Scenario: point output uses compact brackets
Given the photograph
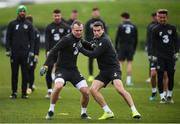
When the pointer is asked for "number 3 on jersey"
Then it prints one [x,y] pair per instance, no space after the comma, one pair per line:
[56,37]
[128,30]
[165,38]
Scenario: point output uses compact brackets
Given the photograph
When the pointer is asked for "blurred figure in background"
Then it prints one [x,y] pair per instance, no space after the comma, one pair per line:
[20,49]
[73,17]
[54,32]
[148,35]
[89,37]
[36,53]
[126,43]
[165,52]
[153,74]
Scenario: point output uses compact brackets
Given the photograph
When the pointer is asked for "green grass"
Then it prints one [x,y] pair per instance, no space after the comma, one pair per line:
[140,11]
[34,109]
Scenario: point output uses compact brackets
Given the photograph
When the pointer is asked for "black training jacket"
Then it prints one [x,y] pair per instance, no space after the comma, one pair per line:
[20,36]
[164,41]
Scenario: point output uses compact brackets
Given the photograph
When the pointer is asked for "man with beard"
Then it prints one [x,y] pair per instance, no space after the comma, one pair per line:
[20,48]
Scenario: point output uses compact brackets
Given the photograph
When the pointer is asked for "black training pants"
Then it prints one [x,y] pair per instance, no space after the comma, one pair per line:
[19,60]
[169,66]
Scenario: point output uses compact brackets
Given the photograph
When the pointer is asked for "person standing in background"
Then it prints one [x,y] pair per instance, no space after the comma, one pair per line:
[89,37]
[165,52]
[126,43]
[73,17]
[153,74]
[54,32]
[20,48]
[32,66]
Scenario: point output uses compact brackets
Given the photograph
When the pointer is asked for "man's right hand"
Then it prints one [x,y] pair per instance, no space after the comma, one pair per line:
[43,70]
[8,53]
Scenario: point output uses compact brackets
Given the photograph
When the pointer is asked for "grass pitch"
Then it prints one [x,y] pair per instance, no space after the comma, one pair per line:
[67,109]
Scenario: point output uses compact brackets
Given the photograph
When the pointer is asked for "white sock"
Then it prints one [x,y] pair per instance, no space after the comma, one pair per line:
[51,107]
[165,93]
[83,110]
[169,93]
[133,108]
[128,80]
[154,90]
[162,95]
[106,108]
[49,90]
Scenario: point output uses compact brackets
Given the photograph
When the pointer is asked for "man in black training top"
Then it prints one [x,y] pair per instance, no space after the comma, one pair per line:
[165,51]
[54,32]
[125,44]
[67,70]
[152,73]
[109,71]
[20,48]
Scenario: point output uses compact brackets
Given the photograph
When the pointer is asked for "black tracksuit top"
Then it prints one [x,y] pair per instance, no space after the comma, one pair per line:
[20,36]
[105,53]
[164,41]
[54,32]
[126,36]
[68,52]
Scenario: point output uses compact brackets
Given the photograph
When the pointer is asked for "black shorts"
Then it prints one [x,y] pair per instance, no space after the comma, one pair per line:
[165,65]
[125,53]
[107,76]
[72,75]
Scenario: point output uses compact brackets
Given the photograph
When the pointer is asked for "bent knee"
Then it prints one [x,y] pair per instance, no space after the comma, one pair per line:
[93,90]
[85,91]
[59,86]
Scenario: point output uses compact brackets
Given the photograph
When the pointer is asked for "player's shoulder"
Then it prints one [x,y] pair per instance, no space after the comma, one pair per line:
[156,27]
[28,23]
[105,38]
[121,25]
[12,22]
[65,24]
[151,25]
[89,21]
[36,30]
[68,37]
[171,26]
[48,26]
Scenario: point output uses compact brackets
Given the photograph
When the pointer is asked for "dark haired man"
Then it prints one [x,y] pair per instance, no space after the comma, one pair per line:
[54,32]
[125,44]
[165,51]
[66,69]
[109,71]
